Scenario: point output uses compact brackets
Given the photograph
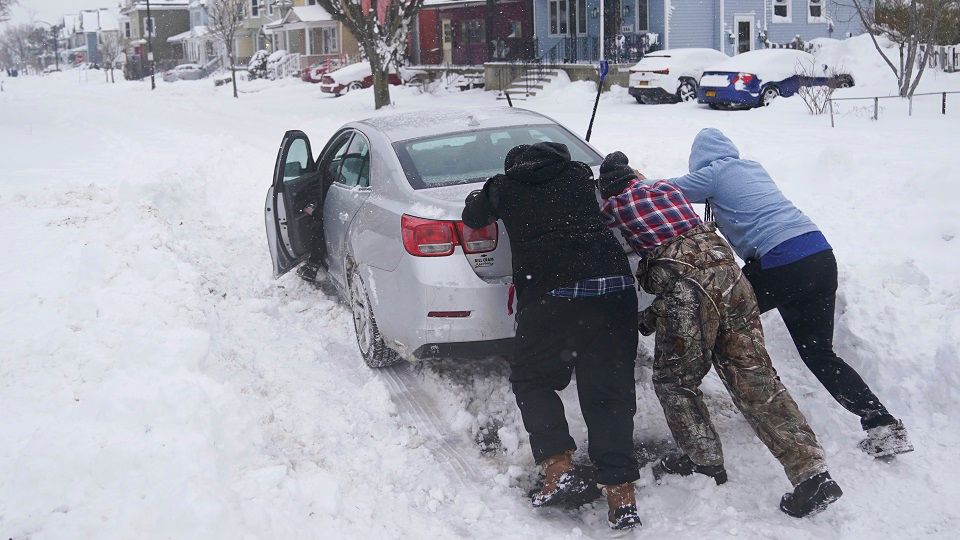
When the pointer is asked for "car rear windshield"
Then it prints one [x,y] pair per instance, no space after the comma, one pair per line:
[473,156]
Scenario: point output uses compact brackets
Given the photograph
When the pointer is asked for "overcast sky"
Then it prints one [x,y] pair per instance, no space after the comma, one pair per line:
[52,10]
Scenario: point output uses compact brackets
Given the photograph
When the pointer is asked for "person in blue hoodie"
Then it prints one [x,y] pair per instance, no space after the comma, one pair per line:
[792,268]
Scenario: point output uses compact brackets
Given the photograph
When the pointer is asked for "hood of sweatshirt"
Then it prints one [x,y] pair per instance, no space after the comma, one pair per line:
[710,145]
[537,163]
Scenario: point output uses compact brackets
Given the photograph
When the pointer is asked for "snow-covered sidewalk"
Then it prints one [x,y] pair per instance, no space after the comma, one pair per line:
[156,382]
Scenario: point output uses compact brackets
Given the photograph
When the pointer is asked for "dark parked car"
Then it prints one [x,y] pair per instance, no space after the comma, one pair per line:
[756,78]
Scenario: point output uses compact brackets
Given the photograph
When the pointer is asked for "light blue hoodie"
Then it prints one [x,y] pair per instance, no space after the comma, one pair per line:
[747,205]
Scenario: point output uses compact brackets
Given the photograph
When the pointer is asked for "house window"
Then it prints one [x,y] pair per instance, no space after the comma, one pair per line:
[150,26]
[516,30]
[782,11]
[254,8]
[472,31]
[312,2]
[643,22]
[582,17]
[329,40]
[126,29]
[558,17]
[816,12]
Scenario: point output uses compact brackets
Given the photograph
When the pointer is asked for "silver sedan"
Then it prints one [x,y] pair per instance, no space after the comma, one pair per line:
[386,196]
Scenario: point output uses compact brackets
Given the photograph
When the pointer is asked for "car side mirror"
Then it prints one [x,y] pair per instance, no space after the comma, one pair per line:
[292,169]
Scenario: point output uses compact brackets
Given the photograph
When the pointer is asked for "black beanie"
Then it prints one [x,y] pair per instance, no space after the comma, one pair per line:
[615,175]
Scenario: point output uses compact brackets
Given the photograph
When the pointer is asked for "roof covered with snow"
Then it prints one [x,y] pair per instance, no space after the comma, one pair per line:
[413,125]
[312,14]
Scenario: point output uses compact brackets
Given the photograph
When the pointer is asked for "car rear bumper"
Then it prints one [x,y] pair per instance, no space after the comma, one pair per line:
[467,350]
[726,96]
[651,93]
[420,305]
[332,88]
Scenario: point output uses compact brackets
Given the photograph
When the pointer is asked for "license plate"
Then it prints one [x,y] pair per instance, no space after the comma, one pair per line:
[711,93]
[643,83]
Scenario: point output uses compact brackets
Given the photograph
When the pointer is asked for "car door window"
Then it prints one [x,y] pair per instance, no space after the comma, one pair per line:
[330,164]
[297,160]
[355,171]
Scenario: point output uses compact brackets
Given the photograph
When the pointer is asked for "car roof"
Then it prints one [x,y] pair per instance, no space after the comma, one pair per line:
[419,124]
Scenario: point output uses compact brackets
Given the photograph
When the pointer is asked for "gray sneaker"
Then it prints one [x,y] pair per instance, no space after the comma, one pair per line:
[886,441]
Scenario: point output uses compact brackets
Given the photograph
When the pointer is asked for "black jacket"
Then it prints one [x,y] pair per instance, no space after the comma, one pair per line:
[548,204]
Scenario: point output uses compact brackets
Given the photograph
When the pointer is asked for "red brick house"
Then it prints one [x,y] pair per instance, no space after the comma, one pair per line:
[453,32]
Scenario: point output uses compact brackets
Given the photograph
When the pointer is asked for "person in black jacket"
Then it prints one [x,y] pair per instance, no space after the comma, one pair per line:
[577,310]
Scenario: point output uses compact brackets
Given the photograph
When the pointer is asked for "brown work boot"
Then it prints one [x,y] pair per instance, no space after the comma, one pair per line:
[622,501]
[560,484]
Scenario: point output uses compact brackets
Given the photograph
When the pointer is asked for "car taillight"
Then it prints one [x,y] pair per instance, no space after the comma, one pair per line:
[478,240]
[327,80]
[662,71]
[434,238]
[427,237]
[745,78]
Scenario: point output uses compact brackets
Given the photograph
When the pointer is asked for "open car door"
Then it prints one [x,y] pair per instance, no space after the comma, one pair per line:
[292,233]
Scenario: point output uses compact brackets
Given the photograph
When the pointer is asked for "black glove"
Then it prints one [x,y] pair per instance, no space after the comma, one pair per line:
[615,175]
[648,321]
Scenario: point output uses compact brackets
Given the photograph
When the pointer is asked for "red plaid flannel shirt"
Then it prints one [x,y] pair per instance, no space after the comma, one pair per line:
[650,215]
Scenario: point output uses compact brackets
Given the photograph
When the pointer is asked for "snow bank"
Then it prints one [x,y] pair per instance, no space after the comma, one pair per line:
[157,382]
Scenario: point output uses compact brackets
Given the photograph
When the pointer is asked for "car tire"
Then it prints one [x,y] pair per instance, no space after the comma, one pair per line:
[355,85]
[768,94]
[687,91]
[373,349]
[714,106]
[639,100]
[845,82]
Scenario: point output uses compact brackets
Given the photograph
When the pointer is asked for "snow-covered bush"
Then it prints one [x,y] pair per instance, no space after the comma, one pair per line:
[257,67]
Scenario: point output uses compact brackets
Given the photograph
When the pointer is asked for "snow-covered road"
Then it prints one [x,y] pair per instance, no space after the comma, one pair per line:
[156,382]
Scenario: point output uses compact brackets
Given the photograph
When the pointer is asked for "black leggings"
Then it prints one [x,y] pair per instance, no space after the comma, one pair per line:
[597,338]
[805,293]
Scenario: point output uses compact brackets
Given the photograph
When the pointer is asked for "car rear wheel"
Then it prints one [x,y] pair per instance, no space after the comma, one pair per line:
[769,94]
[375,352]
[355,85]
[687,91]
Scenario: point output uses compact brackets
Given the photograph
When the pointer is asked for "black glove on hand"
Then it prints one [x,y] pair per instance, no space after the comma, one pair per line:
[615,174]
[648,321]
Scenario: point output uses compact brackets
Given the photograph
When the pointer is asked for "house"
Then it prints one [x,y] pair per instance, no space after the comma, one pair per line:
[306,29]
[72,42]
[95,24]
[199,46]
[167,18]
[453,32]
[252,35]
[569,30]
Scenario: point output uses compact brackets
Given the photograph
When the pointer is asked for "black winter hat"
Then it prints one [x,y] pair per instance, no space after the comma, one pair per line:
[615,175]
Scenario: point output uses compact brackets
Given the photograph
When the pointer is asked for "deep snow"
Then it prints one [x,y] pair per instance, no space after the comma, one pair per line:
[156,382]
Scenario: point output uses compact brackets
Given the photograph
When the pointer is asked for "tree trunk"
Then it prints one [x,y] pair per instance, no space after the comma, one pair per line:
[381,84]
[488,30]
[233,77]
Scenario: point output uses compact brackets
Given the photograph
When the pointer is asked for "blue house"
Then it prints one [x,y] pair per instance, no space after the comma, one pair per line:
[569,30]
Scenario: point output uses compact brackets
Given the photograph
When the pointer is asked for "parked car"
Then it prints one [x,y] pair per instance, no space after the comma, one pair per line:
[314,73]
[419,282]
[353,77]
[184,72]
[671,76]
[756,78]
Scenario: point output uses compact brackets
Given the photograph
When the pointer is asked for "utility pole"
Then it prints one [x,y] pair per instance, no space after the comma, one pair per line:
[153,81]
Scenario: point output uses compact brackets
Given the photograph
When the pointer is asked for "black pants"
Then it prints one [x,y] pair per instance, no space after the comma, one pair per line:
[597,337]
[805,293]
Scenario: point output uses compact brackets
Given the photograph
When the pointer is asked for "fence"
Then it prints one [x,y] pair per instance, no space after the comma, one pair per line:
[876,103]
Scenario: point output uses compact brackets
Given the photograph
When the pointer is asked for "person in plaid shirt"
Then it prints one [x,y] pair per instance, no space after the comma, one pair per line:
[706,313]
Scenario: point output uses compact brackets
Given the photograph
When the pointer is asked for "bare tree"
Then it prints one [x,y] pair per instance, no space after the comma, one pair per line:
[380,27]
[111,45]
[817,97]
[5,6]
[914,26]
[226,16]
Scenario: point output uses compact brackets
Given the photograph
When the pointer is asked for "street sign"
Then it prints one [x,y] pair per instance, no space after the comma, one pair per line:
[150,57]
[604,69]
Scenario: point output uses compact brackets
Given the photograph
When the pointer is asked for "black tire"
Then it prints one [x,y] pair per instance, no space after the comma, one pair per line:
[845,82]
[639,99]
[687,91]
[373,349]
[768,94]
[714,106]
[355,85]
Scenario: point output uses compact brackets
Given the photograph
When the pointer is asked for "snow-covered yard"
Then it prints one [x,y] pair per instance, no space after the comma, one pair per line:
[156,382]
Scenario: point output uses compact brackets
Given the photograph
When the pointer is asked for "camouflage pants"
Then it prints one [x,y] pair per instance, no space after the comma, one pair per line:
[706,314]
